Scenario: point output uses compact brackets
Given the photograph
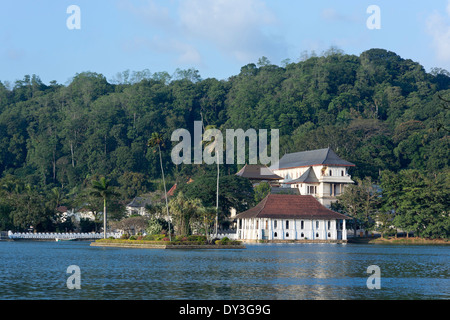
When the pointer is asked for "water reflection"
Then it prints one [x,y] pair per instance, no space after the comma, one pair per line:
[31,270]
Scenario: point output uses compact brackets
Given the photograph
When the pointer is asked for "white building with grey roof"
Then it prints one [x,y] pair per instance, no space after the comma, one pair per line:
[320,173]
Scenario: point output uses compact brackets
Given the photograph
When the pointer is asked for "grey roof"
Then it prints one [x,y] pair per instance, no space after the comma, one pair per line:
[311,158]
[308,177]
[257,172]
[139,202]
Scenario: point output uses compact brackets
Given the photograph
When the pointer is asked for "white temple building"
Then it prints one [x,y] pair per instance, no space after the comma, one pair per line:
[287,217]
[320,173]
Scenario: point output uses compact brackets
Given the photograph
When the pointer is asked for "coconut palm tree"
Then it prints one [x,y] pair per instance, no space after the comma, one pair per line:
[211,144]
[102,189]
[157,141]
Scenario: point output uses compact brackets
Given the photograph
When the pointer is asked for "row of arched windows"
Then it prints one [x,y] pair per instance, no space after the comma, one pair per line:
[302,235]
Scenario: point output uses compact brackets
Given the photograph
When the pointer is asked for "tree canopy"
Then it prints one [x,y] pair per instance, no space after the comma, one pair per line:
[377,110]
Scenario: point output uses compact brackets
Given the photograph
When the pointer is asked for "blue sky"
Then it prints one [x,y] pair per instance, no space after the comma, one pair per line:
[217,37]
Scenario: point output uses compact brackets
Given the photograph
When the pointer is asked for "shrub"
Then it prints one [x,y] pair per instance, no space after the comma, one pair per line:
[181,238]
[155,226]
[225,241]
[125,236]
[154,237]
[197,238]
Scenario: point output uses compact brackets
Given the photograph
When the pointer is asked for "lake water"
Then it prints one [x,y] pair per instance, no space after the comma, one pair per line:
[38,270]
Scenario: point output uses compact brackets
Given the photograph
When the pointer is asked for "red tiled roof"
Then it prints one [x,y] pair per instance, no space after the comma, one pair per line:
[62,209]
[288,206]
[172,190]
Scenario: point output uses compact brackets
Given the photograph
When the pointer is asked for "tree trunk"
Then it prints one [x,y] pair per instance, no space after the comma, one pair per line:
[217,195]
[54,164]
[165,190]
[104,218]
[71,152]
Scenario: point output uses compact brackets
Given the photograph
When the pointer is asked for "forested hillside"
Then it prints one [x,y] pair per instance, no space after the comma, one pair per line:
[377,110]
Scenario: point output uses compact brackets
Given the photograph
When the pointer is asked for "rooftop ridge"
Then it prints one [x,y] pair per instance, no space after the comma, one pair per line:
[285,206]
[325,156]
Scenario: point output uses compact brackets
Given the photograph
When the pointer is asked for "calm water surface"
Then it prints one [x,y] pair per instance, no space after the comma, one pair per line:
[37,270]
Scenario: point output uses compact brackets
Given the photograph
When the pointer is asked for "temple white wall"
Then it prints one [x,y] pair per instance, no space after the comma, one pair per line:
[290,229]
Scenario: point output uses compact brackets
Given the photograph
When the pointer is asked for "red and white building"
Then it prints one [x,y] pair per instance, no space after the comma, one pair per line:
[287,217]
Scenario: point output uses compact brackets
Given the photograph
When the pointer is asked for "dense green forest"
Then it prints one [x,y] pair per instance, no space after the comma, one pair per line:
[377,110]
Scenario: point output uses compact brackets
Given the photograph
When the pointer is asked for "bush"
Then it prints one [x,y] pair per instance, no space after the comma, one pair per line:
[155,226]
[226,241]
[125,236]
[197,238]
[181,238]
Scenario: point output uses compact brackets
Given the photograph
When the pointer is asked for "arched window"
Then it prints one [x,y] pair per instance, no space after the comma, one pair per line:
[287,234]
[317,234]
[287,224]
[302,235]
[275,234]
[302,224]
[274,224]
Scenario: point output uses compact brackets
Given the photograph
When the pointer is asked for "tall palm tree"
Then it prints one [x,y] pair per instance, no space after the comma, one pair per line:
[157,140]
[102,189]
[218,178]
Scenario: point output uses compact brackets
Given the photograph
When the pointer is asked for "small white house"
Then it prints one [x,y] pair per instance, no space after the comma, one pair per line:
[138,206]
[287,217]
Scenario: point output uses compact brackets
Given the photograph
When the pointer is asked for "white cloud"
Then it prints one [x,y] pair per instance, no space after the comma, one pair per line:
[438,27]
[240,29]
[150,13]
[332,15]
[236,27]
[167,29]
[184,53]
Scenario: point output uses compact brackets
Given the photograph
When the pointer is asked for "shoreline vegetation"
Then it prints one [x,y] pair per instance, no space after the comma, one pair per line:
[162,242]
[399,240]
[200,242]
